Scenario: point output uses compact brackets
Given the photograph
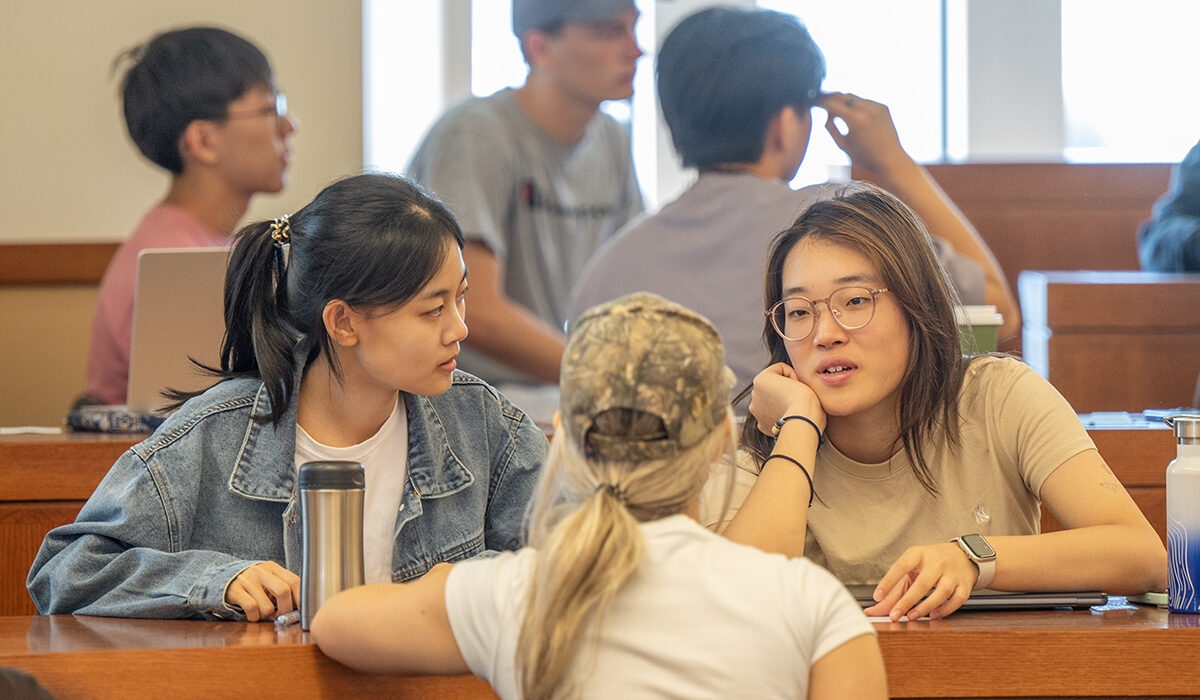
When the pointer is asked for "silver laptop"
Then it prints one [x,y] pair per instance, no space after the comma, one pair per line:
[178,311]
[987,599]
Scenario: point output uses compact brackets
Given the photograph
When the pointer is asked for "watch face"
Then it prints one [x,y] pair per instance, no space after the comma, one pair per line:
[978,546]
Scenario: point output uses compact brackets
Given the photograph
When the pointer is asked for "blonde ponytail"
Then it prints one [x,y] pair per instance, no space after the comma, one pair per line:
[585,527]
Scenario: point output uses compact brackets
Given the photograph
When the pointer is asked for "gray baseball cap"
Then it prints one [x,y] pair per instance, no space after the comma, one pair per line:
[648,354]
[533,14]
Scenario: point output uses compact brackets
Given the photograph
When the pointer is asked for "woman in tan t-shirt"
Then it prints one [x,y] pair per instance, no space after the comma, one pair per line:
[866,361]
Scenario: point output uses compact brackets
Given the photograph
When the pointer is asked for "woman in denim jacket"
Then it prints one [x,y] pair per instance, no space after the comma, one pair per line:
[342,331]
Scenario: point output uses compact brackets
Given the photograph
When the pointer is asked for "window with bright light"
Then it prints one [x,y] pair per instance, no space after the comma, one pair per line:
[882,50]
[400,100]
[1126,71]
[1122,63]
[496,60]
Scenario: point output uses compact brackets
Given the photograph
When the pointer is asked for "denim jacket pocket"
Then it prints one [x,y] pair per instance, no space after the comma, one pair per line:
[432,528]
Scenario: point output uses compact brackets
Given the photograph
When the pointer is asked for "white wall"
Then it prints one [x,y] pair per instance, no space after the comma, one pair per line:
[1014,78]
[68,171]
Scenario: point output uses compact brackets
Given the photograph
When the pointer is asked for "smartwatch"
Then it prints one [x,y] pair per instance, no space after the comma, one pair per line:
[981,553]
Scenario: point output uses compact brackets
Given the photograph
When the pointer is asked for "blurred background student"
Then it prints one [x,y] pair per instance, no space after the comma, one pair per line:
[200,103]
[539,177]
[737,88]
[1170,241]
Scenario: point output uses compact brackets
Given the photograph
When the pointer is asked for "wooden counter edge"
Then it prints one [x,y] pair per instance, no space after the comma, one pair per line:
[979,663]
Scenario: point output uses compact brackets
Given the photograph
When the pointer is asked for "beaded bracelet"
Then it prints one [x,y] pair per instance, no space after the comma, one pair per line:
[779,426]
[811,491]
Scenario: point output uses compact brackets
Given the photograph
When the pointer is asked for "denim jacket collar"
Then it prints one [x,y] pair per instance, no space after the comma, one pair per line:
[265,467]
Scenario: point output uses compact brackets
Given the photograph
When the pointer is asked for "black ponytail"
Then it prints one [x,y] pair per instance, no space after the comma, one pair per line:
[372,241]
[259,336]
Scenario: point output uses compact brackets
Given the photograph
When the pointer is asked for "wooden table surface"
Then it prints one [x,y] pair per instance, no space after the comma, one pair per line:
[1118,650]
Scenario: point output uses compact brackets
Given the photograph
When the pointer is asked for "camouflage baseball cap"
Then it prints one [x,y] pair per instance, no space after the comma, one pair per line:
[645,353]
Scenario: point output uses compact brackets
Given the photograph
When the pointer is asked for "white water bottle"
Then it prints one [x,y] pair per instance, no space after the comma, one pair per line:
[1183,516]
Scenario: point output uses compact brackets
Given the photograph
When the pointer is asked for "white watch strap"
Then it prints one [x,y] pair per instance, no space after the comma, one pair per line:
[987,571]
[986,567]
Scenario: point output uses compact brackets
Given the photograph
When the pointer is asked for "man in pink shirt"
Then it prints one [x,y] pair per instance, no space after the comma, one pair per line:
[201,103]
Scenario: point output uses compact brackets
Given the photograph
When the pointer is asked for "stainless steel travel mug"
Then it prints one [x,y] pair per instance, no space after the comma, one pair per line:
[331,513]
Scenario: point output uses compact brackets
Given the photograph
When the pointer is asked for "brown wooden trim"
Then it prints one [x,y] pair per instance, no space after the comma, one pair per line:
[54,263]
[1047,186]
[64,468]
[1100,185]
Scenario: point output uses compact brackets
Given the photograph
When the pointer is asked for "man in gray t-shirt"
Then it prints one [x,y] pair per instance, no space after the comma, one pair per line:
[736,87]
[538,177]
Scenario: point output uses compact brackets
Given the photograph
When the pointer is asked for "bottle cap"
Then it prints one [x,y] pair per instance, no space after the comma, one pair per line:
[1186,426]
[332,475]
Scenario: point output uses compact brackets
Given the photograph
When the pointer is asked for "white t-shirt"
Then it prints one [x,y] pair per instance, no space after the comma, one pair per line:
[702,617]
[384,457]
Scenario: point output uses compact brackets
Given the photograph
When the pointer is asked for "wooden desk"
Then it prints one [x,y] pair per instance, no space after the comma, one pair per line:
[1056,216]
[101,657]
[44,481]
[1118,651]
[1112,341]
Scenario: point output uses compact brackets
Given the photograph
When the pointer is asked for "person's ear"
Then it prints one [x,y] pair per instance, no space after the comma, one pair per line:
[339,321]
[788,129]
[536,45]
[773,142]
[198,142]
[787,140]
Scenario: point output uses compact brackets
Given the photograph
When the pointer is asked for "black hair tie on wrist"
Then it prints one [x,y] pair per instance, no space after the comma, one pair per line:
[779,426]
[811,491]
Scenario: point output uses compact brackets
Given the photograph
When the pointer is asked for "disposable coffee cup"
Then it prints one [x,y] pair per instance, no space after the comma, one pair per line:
[978,328]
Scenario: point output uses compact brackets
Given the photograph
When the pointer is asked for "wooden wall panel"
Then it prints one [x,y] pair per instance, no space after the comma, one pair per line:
[54,263]
[1056,216]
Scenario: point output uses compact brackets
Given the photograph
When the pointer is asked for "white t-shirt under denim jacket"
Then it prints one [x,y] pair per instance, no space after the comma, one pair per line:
[702,617]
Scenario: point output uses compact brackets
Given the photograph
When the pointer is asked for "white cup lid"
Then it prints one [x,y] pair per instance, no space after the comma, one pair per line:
[978,315]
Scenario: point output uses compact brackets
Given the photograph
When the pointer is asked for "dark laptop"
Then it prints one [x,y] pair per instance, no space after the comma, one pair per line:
[987,599]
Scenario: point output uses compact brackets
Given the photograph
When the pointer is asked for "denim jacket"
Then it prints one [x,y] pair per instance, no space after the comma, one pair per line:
[214,491]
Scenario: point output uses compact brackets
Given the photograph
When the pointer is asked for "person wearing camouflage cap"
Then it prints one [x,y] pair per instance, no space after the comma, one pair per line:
[607,600]
[642,353]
